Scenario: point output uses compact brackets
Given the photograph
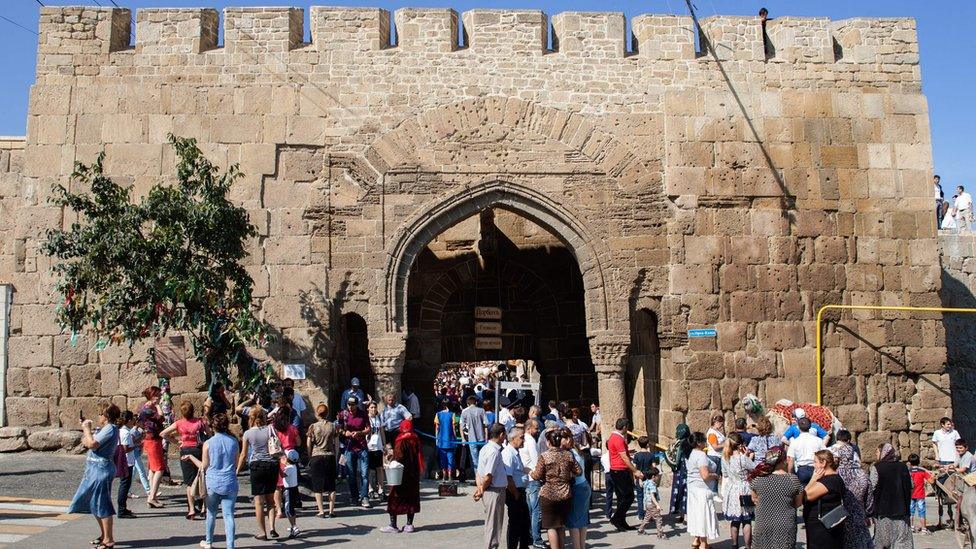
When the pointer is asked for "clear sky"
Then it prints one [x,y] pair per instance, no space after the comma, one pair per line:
[944,28]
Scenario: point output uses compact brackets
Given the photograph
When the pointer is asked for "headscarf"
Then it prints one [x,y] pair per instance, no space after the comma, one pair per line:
[888,453]
[681,447]
[855,479]
[408,437]
[774,456]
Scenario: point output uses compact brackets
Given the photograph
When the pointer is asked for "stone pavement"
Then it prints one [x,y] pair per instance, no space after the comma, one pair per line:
[27,477]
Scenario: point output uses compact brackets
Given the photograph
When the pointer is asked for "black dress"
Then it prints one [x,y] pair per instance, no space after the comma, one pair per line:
[818,536]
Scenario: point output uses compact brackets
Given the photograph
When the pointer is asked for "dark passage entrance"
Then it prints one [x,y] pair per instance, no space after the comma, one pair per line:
[353,357]
[499,260]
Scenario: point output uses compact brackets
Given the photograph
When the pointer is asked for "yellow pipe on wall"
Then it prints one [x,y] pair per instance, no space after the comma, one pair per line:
[820,313]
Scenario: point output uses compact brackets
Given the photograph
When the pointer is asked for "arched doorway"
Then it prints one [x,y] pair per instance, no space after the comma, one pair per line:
[501,260]
[353,356]
[644,374]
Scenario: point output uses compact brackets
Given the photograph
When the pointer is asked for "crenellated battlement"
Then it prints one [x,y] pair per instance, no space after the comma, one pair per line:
[85,37]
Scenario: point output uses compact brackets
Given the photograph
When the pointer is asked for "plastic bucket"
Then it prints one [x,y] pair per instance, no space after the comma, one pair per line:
[394,474]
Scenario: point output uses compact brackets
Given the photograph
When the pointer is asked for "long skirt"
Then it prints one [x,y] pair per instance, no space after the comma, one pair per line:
[579,514]
[679,491]
[702,521]
[94,495]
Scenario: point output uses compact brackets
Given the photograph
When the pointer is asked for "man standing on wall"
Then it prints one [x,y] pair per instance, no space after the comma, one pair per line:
[939,199]
[623,471]
[964,210]
[473,426]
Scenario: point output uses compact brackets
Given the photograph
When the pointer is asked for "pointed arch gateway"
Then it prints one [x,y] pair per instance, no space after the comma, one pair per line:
[535,206]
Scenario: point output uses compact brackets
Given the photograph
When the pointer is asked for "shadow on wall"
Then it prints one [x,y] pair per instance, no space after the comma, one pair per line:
[960,334]
[312,344]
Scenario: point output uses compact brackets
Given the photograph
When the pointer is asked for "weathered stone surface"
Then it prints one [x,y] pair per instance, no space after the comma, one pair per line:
[638,166]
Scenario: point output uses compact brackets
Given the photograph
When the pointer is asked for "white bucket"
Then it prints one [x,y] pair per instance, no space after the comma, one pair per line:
[394,473]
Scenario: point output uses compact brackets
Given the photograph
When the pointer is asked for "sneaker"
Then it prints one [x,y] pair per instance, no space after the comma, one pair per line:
[365,503]
[408,529]
[331,514]
[389,530]
[294,532]
[205,545]
[127,514]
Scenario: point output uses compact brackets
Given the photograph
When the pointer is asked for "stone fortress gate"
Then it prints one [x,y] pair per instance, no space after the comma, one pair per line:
[607,190]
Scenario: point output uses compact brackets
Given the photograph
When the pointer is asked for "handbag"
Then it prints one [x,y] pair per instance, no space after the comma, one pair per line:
[832,518]
[274,443]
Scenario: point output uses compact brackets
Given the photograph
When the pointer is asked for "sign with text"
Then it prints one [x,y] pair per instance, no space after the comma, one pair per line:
[707,332]
[488,328]
[488,343]
[293,371]
[170,356]
[488,313]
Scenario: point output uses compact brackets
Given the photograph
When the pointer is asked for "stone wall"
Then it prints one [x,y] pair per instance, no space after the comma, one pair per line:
[726,188]
[959,291]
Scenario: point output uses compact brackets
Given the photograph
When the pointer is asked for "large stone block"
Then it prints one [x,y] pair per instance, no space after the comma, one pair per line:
[27,411]
[84,380]
[777,336]
[892,416]
[44,381]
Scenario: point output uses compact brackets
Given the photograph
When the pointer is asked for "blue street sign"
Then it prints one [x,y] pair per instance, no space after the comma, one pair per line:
[709,332]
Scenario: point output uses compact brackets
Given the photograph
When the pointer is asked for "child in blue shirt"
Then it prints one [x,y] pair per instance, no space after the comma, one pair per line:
[652,503]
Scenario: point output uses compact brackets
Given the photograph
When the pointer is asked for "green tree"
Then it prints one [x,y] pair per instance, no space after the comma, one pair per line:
[170,262]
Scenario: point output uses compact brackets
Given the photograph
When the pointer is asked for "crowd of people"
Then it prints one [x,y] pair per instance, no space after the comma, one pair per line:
[534,462]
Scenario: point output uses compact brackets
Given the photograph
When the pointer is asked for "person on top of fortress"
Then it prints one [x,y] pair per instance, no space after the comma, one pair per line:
[793,431]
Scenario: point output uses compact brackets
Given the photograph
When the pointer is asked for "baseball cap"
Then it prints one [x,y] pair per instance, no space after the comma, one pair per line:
[352,400]
[292,454]
[799,412]
[355,382]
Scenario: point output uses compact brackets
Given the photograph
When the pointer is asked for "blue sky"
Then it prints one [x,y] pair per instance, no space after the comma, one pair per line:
[944,28]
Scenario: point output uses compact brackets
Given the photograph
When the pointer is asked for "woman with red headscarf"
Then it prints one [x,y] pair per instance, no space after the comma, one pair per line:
[405,498]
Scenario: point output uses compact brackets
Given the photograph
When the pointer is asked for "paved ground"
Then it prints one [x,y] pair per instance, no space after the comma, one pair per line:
[35,487]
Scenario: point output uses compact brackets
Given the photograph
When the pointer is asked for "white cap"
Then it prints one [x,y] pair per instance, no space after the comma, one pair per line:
[798,413]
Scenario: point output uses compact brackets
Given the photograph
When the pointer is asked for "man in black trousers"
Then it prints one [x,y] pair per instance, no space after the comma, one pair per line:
[623,472]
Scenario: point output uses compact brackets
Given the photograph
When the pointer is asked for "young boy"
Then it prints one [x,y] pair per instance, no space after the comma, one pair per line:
[643,460]
[920,477]
[652,503]
[289,475]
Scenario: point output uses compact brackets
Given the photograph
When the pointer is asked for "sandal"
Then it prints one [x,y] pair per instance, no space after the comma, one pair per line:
[105,546]
[154,504]
[261,537]
[96,541]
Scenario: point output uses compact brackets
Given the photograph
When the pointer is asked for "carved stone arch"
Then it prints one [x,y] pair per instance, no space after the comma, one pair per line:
[401,149]
[414,235]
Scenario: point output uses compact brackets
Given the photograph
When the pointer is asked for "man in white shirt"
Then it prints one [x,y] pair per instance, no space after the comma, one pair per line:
[530,456]
[412,403]
[802,449]
[518,510]
[595,422]
[964,209]
[493,481]
[944,442]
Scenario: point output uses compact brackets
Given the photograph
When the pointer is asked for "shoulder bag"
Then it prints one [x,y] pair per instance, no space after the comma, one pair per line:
[833,518]
[274,443]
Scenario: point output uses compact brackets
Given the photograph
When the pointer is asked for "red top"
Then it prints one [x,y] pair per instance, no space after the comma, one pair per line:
[288,438]
[190,431]
[615,445]
[919,476]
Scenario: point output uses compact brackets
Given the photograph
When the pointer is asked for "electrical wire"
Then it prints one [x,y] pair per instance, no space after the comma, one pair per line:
[16,24]
[41,4]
